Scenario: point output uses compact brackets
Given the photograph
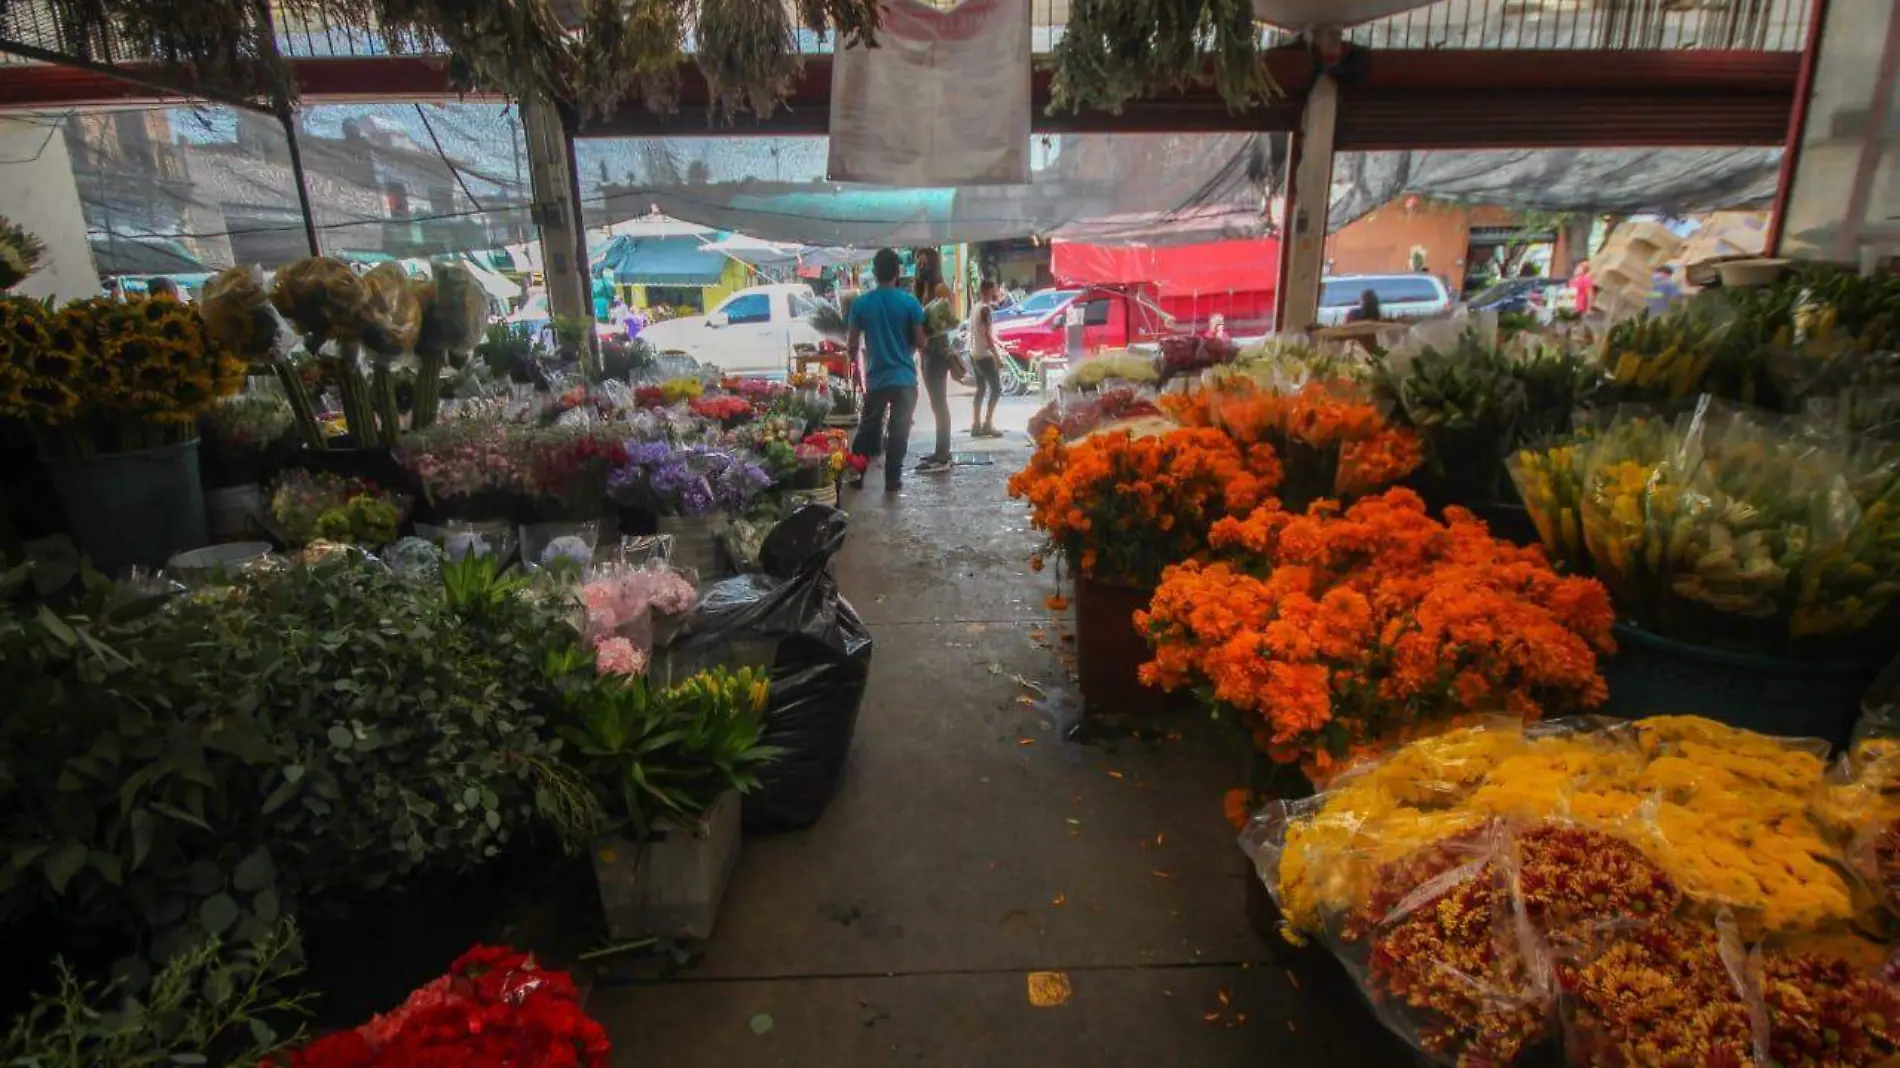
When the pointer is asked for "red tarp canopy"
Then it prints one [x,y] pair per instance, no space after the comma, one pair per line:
[1250,265]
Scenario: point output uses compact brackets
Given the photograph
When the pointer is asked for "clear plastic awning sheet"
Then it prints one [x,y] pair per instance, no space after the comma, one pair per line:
[215,185]
[1667,181]
[1116,188]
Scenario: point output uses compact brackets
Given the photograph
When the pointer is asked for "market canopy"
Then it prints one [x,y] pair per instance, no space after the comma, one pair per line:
[1214,267]
[115,256]
[661,261]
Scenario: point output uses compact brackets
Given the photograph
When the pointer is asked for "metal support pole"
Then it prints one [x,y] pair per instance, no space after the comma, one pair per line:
[280,106]
[556,208]
[303,188]
[1307,202]
[1797,124]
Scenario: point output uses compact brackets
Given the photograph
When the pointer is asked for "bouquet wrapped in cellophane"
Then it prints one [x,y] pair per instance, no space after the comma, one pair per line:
[1736,527]
[1484,883]
[453,309]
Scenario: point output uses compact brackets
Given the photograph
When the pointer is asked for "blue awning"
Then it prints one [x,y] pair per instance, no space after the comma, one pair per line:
[661,261]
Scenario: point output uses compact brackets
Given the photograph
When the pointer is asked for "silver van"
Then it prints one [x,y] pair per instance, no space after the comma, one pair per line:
[1401,296]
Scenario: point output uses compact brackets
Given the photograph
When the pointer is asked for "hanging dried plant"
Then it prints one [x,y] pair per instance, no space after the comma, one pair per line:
[855,21]
[215,46]
[1115,51]
[20,253]
[628,47]
[748,52]
[511,47]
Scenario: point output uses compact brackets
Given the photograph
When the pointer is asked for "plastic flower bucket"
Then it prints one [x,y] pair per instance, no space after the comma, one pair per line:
[1789,698]
[132,509]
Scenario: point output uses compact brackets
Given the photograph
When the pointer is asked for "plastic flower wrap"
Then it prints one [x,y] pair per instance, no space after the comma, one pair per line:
[454,311]
[1122,508]
[237,310]
[309,506]
[1725,813]
[1125,367]
[1458,936]
[692,480]
[1077,415]
[472,468]
[1849,587]
[1331,631]
[1631,482]
[1459,389]
[323,298]
[1690,993]
[1549,480]
[391,316]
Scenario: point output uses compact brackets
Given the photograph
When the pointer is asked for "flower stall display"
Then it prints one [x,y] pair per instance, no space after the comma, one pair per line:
[341,314]
[1476,880]
[1751,551]
[1077,415]
[495,1007]
[471,469]
[20,253]
[1096,371]
[1459,390]
[667,766]
[631,609]
[1331,436]
[309,506]
[1121,508]
[112,392]
[1329,632]
[453,311]
[239,435]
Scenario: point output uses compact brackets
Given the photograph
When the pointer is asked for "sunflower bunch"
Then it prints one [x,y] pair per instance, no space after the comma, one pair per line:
[105,376]
[35,374]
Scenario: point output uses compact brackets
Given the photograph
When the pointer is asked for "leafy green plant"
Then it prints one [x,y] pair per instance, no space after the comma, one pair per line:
[665,755]
[1465,400]
[507,354]
[207,1006]
[176,771]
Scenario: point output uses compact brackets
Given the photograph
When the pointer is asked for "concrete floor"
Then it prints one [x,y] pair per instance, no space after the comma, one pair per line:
[971,845]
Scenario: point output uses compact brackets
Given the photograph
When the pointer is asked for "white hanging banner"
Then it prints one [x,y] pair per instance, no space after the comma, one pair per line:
[943,100]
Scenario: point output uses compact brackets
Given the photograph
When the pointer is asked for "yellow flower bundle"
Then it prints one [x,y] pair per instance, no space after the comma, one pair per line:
[1732,816]
[102,375]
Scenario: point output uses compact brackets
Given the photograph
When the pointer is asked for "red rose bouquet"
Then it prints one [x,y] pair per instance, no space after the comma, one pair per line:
[495,1009]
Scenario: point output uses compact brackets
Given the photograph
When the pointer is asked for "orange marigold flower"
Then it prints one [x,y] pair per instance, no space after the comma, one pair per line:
[1055,602]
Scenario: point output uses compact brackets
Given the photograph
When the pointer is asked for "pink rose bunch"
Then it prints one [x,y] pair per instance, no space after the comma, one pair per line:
[619,599]
[617,656]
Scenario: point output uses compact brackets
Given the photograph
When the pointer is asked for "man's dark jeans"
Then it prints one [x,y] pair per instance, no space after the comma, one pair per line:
[901,403]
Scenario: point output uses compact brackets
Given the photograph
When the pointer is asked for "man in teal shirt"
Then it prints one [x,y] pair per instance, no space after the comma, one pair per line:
[889,324]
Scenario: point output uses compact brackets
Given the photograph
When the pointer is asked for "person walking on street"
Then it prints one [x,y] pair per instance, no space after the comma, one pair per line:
[887,325]
[985,352]
[940,321]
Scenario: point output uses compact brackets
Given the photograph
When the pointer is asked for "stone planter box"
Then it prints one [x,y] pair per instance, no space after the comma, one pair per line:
[671,885]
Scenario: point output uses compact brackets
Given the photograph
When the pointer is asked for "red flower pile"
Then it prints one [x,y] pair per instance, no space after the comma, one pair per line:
[495,1009]
[723,410]
[649,397]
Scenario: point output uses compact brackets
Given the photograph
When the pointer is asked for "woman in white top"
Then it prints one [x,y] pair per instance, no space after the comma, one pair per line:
[985,352]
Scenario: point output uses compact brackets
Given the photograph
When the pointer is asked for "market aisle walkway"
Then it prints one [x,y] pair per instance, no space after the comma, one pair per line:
[971,845]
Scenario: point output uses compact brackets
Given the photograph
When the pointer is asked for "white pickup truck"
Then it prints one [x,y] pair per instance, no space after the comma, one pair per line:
[752,332]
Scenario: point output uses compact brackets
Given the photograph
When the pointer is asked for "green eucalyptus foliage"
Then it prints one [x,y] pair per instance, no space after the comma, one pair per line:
[207,1006]
[176,771]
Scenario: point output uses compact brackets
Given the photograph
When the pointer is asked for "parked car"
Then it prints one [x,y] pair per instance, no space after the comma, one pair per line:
[1112,317]
[1514,295]
[753,331]
[1037,304]
[1401,296]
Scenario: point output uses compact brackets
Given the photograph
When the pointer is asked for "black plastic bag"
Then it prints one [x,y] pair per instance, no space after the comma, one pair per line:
[820,666]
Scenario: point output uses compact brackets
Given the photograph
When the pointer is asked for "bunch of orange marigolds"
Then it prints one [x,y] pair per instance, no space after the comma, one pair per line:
[1330,630]
[1122,507]
[1329,433]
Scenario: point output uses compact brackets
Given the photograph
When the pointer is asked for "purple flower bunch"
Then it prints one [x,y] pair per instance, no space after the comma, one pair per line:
[687,480]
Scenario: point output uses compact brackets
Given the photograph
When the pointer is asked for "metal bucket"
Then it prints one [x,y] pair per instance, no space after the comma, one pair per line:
[235,513]
[130,509]
[696,545]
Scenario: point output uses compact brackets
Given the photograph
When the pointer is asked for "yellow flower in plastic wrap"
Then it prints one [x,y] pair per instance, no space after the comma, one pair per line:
[1866,789]
[1441,770]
